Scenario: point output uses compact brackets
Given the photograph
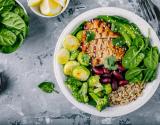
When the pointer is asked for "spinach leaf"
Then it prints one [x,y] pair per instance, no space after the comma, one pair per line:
[120,19]
[80,27]
[137,79]
[19,11]
[12,20]
[132,73]
[90,36]
[26,19]
[139,42]
[109,63]
[7,38]
[120,42]
[149,75]
[136,29]
[6,5]
[152,58]
[132,58]
[14,47]
[47,87]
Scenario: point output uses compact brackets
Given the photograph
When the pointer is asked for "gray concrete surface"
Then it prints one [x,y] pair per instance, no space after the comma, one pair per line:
[24,104]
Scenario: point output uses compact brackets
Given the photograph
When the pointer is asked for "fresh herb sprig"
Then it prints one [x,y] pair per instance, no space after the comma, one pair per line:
[47,87]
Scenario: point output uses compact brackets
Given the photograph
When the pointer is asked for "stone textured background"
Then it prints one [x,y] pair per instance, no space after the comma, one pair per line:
[24,104]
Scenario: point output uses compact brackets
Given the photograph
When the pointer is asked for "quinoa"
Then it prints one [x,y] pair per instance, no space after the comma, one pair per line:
[126,94]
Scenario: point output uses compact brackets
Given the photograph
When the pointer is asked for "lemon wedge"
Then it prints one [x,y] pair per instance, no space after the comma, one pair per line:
[34,3]
[62,2]
[50,7]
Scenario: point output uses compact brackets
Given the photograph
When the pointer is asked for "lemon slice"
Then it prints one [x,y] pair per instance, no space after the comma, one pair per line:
[34,3]
[62,2]
[50,7]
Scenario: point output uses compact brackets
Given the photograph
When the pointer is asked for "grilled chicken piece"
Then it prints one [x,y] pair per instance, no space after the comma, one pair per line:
[101,47]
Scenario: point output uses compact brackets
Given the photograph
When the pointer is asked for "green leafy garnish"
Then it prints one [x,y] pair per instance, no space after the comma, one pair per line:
[109,63]
[90,36]
[47,87]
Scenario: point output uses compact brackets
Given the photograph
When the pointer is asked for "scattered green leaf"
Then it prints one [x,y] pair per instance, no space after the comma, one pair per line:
[47,87]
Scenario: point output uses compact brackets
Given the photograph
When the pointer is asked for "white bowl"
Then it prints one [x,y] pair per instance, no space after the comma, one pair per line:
[37,11]
[115,110]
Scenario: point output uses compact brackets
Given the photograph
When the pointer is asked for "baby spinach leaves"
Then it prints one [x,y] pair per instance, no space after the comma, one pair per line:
[7,38]
[131,74]
[47,87]
[132,58]
[109,63]
[149,75]
[152,58]
[6,5]
[119,41]
[13,26]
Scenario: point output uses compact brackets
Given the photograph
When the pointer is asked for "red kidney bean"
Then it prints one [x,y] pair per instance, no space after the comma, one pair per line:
[121,68]
[114,85]
[106,71]
[106,75]
[97,70]
[105,80]
[123,82]
[117,75]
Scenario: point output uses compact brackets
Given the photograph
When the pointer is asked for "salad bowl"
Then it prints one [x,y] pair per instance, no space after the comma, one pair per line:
[113,111]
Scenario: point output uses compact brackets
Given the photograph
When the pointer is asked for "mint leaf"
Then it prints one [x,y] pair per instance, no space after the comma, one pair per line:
[47,87]
[109,63]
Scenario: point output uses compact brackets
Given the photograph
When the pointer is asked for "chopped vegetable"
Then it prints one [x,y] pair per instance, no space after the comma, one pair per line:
[108,88]
[69,66]
[81,95]
[63,56]
[71,43]
[83,59]
[73,84]
[79,35]
[74,55]
[81,73]
[93,80]
[100,102]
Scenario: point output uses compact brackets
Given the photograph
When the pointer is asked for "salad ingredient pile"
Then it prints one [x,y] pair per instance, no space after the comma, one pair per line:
[107,61]
[14,26]
[48,7]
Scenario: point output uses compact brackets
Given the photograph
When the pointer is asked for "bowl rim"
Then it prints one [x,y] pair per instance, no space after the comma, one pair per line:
[119,110]
[22,6]
[41,15]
